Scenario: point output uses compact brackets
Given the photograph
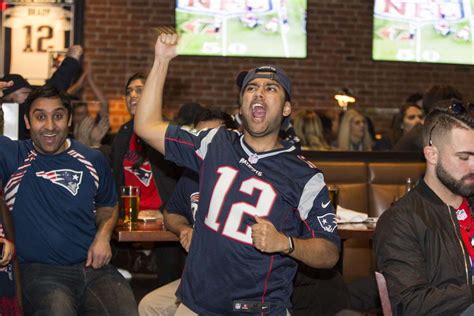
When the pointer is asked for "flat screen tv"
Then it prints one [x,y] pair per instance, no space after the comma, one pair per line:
[435,31]
[242,28]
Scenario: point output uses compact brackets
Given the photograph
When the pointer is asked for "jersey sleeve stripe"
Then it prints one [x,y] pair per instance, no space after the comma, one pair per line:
[202,151]
[310,192]
[179,141]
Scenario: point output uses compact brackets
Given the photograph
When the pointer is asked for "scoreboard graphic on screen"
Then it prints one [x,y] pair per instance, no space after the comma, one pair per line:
[260,28]
[437,31]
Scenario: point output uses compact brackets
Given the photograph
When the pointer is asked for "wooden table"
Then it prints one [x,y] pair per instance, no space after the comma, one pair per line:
[153,231]
[353,231]
[143,231]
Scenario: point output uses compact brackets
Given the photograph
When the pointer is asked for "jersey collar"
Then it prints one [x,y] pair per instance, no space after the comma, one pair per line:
[254,157]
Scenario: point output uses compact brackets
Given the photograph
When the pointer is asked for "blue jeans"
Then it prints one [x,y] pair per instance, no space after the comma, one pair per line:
[75,290]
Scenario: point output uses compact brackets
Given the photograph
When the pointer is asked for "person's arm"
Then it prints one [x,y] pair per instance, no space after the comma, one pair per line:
[76,86]
[100,253]
[149,124]
[6,242]
[180,226]
[315,252]
[401,259]
[64,75]
[104,103]
[7,251]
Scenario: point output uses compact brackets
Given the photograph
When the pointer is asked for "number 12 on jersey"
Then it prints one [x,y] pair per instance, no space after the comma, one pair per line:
[232,223]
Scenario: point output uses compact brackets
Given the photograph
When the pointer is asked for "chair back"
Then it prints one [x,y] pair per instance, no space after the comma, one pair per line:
[383,293]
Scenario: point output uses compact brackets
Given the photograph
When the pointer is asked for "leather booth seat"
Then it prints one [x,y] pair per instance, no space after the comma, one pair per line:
[369,187]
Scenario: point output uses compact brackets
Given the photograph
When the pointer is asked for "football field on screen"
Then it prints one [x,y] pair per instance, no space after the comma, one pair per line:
[424,41]
[235,38]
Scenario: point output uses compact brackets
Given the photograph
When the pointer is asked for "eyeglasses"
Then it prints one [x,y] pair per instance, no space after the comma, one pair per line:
[457,108]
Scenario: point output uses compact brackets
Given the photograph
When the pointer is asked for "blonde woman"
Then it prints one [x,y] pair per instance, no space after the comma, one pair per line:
[309,130]
[353,133]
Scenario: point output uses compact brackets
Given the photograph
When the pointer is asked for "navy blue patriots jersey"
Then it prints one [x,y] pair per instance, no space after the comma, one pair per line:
[185,198]
[53,198]
[236,184]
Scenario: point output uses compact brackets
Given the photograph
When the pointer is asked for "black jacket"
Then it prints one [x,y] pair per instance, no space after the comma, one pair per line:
[165,173]
[420,252]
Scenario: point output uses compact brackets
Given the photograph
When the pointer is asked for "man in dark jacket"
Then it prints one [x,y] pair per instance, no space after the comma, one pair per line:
[423,243]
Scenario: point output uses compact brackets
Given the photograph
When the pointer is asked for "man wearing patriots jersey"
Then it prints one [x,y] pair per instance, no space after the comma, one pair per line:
[64,207]
[261,206]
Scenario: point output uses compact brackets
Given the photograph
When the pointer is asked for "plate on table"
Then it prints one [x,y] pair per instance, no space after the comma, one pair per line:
[150,215]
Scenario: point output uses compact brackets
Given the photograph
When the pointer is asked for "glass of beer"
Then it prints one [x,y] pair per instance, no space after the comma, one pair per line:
[130,196]
[333,195]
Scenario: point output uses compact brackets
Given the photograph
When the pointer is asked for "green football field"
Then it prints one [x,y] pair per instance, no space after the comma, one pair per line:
[391,42]
[236,39]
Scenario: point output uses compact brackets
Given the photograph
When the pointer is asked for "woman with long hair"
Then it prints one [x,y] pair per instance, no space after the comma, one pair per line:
[353,132]
[309,129]
[408,116]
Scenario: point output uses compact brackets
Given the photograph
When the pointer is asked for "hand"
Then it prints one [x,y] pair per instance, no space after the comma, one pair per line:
[8,252]
[75,51]
[5,84]
[83,130]
[185,237]
[98,131]
[99,254]
[165,47]
[266,238]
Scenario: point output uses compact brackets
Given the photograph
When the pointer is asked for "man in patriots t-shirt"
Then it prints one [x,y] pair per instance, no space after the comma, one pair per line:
[63,204]
[423,243]
[261,206]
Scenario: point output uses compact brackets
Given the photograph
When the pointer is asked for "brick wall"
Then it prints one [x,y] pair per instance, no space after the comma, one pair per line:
[118,41]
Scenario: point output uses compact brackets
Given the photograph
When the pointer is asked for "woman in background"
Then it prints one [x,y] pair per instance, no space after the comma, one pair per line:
[353,133]
[309,130]
[409,116]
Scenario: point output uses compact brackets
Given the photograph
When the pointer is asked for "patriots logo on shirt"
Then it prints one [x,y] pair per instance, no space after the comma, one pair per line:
[461,214]
[328,222]
[143,175]
[66,178]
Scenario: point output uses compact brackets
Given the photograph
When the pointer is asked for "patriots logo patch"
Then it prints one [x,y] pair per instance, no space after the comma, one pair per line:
[143,174]
[461,214]
[66,178]
[328,222]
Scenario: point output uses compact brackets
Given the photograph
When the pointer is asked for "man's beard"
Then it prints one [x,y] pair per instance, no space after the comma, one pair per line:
[456,186]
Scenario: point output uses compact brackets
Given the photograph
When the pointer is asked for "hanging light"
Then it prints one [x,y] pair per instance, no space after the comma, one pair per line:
[344,97]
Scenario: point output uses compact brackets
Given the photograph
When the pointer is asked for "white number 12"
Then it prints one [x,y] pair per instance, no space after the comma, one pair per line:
[232,223]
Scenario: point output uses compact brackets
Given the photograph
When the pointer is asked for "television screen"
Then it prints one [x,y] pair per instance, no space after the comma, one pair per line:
[436,31]
[243,28]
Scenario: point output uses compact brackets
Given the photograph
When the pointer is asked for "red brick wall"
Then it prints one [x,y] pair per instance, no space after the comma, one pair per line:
[118,41]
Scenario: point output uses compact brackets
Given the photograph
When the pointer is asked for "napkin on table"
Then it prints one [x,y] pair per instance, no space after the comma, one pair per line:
[344,215]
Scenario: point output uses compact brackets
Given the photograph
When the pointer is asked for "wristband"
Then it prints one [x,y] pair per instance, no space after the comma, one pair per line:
[291,245]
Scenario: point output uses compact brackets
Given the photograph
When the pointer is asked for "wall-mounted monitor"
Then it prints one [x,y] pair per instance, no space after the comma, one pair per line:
[242,28]
[435,31]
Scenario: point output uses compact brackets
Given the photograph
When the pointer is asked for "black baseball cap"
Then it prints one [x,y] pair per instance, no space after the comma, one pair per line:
[266,71]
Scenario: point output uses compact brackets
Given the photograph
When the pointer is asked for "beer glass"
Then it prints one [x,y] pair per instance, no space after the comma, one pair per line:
[333,195]
[130,196]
